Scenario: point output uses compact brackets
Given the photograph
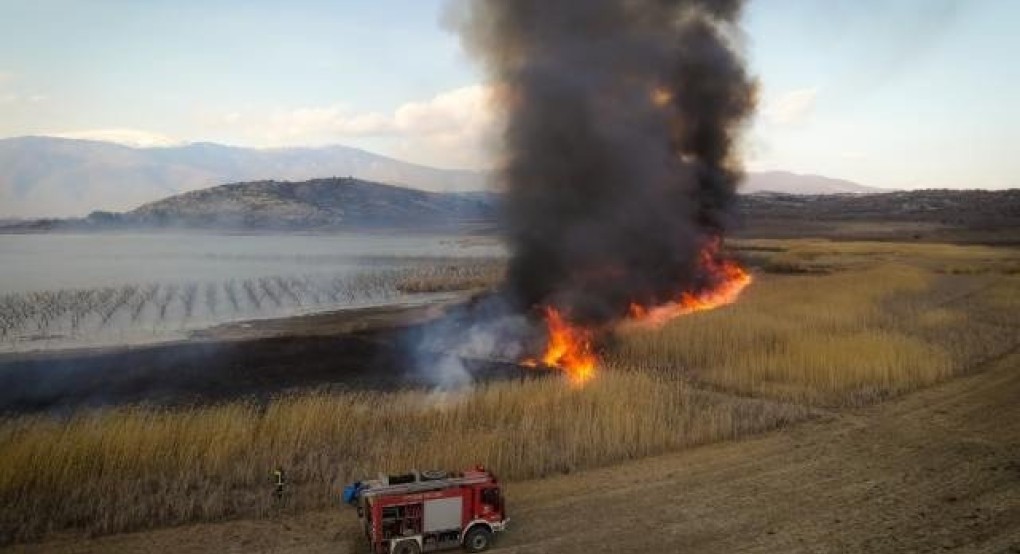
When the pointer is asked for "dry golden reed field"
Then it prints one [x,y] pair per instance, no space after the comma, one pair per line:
[825,326]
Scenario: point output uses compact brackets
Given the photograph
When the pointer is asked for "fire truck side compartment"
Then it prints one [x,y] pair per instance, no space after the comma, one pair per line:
[443,513]
[435,512]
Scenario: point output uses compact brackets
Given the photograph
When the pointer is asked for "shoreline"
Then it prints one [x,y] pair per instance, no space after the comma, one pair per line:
[361,349]
[309,323]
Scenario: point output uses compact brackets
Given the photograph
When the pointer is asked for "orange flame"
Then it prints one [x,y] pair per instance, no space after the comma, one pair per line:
[569,348]
[661,96]
[730,279]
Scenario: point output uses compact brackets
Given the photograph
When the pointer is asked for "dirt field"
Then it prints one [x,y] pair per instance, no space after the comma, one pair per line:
[937,470]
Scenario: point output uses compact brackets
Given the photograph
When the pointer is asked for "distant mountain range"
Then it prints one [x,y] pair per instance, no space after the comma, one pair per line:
[60,177]
[45,176]
[785,182]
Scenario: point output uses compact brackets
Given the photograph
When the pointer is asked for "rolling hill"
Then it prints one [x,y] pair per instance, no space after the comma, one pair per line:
[61,177]
[344,203]
[58,177]
[318,204]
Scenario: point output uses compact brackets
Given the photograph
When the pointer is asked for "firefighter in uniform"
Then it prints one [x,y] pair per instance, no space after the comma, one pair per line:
[279,480]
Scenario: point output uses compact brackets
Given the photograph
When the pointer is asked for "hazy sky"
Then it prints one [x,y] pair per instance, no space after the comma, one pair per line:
[894,93]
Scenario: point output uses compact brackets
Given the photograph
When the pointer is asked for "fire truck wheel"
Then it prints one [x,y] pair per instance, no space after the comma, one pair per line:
[406,547]
[478,539]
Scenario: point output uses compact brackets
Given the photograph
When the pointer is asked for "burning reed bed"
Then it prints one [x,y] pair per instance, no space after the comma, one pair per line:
[883,319]
[123,469]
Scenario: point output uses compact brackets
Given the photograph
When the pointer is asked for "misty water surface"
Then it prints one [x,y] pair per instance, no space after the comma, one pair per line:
[54,261]
[61,290]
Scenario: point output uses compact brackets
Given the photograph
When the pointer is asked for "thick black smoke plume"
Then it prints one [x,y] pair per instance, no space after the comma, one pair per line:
[618,161]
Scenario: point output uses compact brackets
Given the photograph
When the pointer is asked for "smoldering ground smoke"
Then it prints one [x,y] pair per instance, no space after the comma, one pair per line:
[617,162]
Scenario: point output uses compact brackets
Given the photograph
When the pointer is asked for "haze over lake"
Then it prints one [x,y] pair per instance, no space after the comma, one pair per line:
[59,290]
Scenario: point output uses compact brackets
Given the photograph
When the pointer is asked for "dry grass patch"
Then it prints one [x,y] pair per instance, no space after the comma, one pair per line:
[835,255]
[128,468]
[454,277]
[888,321]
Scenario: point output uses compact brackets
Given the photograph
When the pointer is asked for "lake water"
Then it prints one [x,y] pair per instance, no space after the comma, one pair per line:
[66,290]
[55,261]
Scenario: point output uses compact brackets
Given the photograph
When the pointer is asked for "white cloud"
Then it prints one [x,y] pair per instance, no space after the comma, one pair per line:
[127,137]
[313,123]
[791,108]
[453,128]
[447,111]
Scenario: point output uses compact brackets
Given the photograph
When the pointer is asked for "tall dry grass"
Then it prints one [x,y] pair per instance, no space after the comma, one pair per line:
[862,322]
[128,468]
[883,319]
[480,274]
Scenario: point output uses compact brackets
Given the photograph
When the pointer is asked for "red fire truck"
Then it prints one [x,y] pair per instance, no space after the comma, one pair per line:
[429,511]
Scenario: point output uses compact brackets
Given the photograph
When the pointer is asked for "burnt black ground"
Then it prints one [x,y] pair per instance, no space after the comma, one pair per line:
[355,350]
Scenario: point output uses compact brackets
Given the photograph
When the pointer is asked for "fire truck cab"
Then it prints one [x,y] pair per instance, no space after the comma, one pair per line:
[429,511]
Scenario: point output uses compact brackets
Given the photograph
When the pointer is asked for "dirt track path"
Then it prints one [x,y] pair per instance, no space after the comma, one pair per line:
[934,471]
